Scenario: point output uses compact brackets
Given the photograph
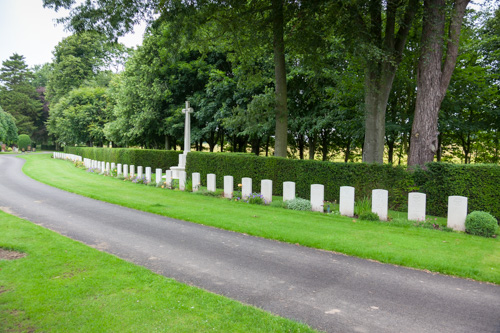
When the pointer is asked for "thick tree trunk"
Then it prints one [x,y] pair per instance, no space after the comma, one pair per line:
[379,73]
[280,144]
[378,84]
[433,77]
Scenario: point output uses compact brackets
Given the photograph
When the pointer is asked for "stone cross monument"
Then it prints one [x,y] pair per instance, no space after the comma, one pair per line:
[187,142]
[187,128]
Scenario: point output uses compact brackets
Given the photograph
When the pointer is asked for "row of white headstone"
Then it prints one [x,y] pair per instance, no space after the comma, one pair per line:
[457,205]
[64,156]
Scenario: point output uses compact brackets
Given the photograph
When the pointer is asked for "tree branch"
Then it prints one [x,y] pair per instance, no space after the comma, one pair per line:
[453,41]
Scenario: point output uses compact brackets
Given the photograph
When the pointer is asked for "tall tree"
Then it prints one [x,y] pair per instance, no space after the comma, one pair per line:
[77,58]
[435,69]
[256,25]
[376,32]
[8,128]
[17,96]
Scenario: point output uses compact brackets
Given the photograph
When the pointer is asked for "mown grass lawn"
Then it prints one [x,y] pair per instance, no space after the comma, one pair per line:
[65,286]
[450,253]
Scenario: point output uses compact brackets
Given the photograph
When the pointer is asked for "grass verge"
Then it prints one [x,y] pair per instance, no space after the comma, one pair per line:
[65,286]
[449,253]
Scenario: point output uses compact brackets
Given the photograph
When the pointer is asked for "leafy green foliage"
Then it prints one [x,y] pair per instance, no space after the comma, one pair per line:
[80,116]
[298,204]
[481,224]
[77,58]
[23,141]
[17,96]
[163,159]
[8,128]
[369,216]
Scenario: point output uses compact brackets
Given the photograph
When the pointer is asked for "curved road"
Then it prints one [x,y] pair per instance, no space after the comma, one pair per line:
[328,291]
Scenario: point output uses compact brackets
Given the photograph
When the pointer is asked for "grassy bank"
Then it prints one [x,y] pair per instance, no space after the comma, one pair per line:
[65,286]
[449,253]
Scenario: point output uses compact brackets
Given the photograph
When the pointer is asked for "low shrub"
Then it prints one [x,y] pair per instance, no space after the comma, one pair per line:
[369,216]
[23,141]
[298,204]
[481,224]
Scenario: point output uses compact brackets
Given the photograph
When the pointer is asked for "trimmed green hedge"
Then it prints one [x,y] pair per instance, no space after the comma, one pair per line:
[363,177]
[163,159]
[480,183]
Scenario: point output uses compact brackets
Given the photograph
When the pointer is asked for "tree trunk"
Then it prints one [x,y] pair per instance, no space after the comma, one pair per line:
[440,147]
[312,146]
[280,144]
[222,142]
[379,73]
[324,145]
[347,151]
[300,144]
[433,77]
[390,157]
[256,146]
[267,145]
[378,84]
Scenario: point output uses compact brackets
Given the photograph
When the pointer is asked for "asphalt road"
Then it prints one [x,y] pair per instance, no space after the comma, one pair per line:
[328,291]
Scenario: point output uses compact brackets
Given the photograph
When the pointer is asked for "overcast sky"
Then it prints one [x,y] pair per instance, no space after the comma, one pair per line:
[30,30]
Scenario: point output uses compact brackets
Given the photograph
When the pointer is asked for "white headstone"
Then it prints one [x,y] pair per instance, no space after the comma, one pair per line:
[139,172]
[182,180]
[148,174]
[266,189]
[416,206]
[158,175]
[211,182]
[119,170]
[346,201]
[228,186]
[380,202]
[187,128]
[113,166]
[132,170]
[288,191]
[168,178]
[317,197]
[457,212]
[196,181]
[246,187]
[108,167]
[125,170]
